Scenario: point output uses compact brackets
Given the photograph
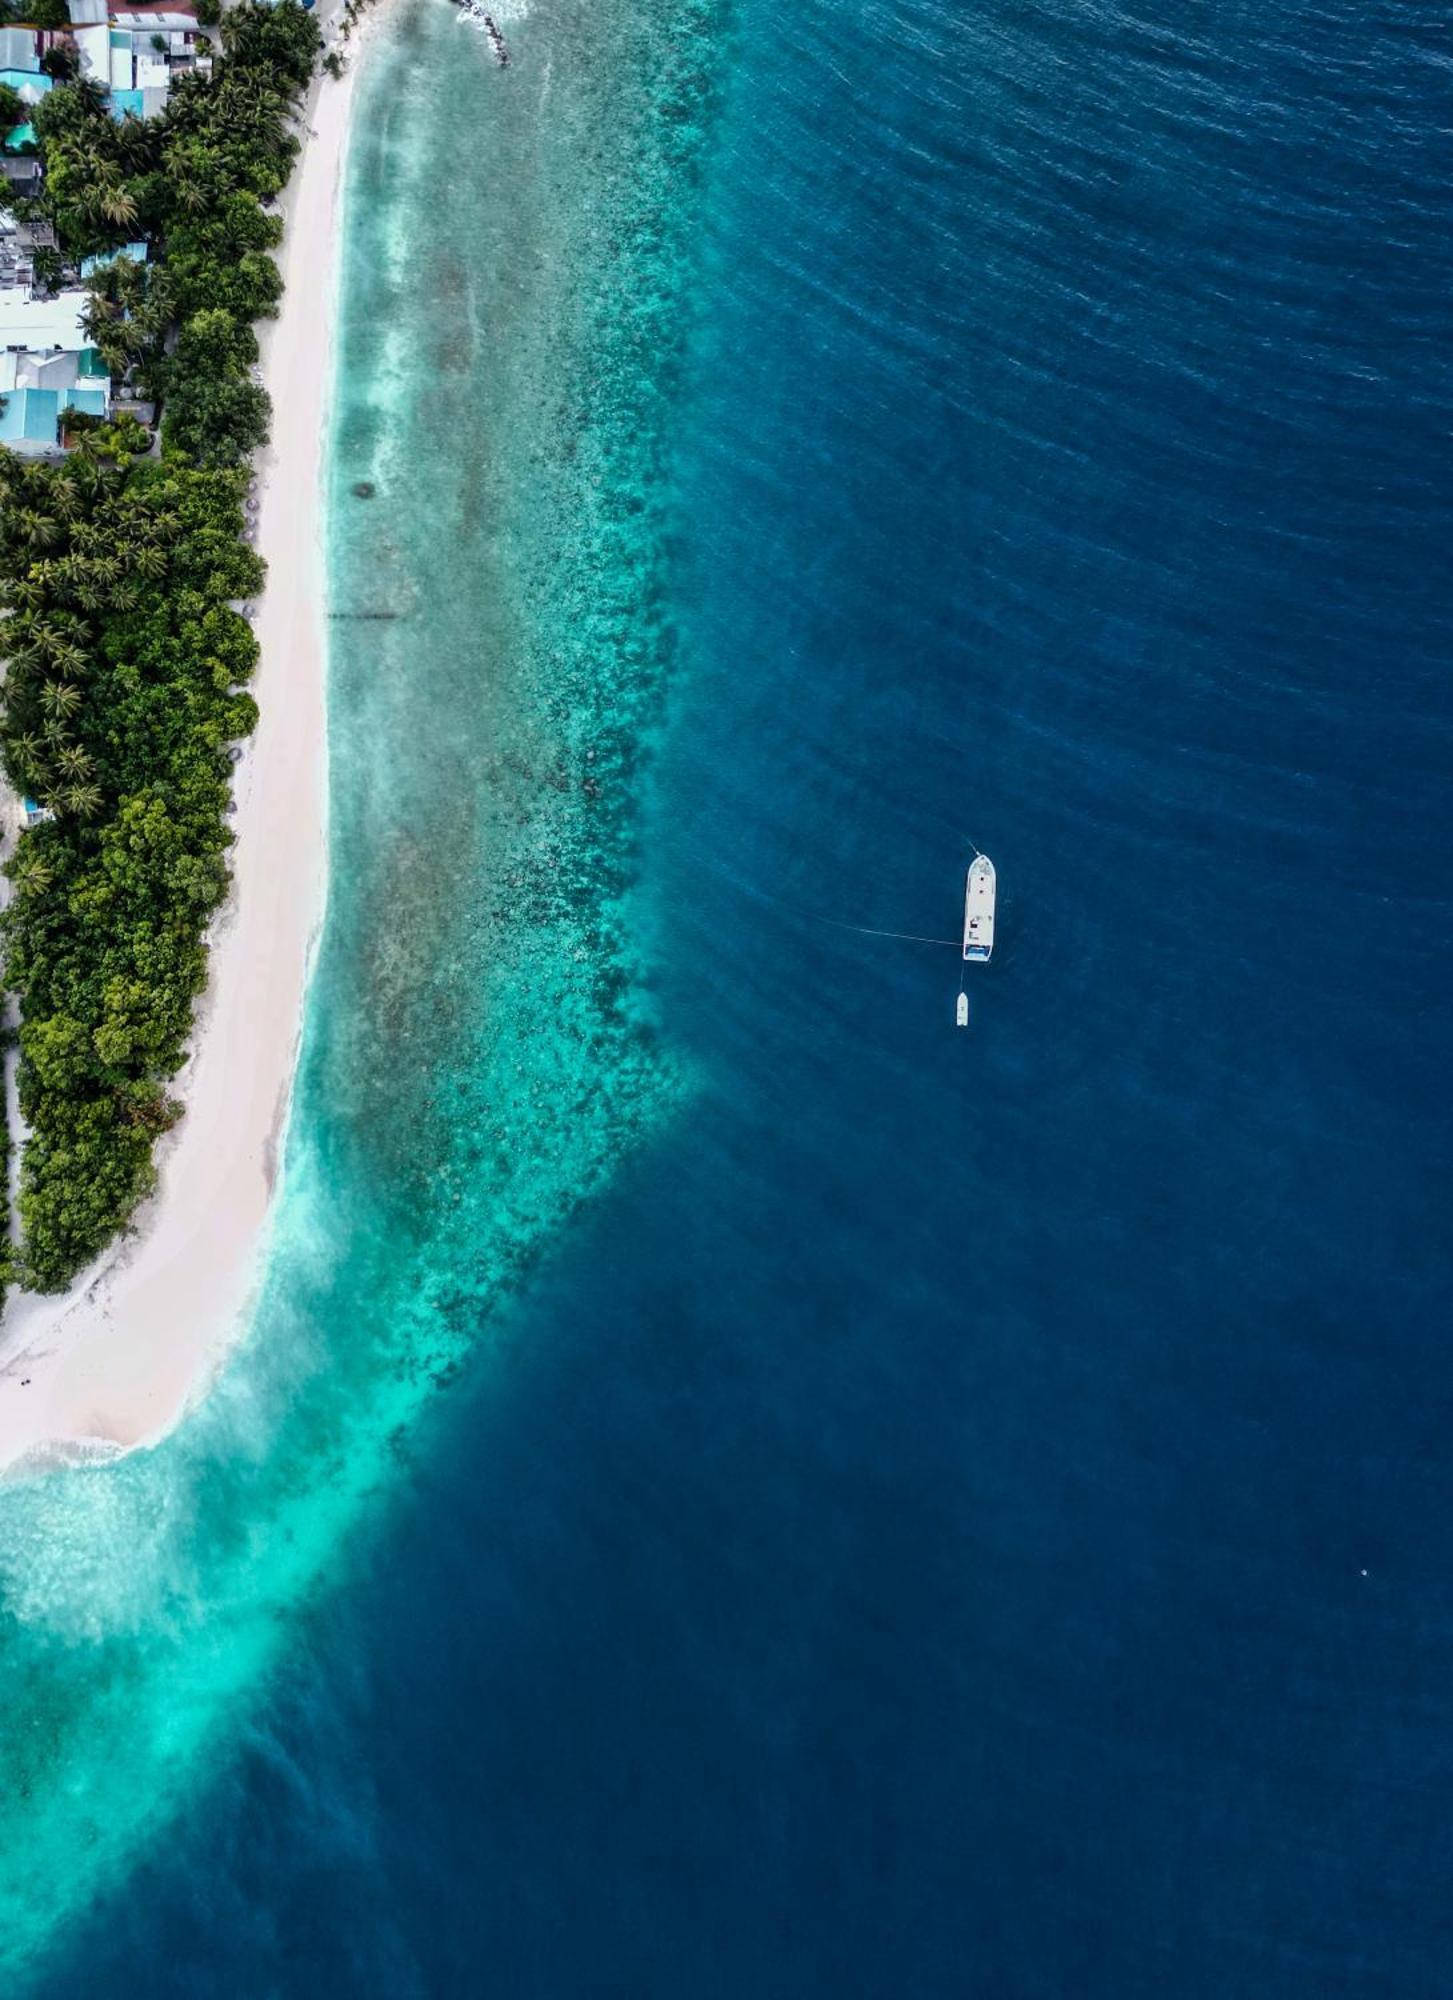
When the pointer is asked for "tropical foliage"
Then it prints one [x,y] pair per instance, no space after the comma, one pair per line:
[128,659]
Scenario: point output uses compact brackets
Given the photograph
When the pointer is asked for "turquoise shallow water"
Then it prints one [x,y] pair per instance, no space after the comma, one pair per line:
[946,1513]
[478,1052]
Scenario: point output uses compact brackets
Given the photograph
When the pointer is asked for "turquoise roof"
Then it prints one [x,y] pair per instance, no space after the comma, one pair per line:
[30,416]
[123,101]
[135,253]
[28,79]
[18,136]
[90,402]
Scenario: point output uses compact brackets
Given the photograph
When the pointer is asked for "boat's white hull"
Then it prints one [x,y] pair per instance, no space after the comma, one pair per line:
[979,893]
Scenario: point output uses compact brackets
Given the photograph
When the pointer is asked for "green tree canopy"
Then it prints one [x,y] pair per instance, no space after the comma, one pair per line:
[128,661]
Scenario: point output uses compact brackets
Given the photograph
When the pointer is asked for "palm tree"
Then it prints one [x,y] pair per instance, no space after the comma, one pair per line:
[91,475]
[59,699]
[84,800]
[32,872]
[36,646]
[69,658]
[42,531]
[61,628]
[74,762]
[263,118]
[133,143]
[64,496]
[42,636]
[118,205]
[65,575]
[127,516]
[27,757]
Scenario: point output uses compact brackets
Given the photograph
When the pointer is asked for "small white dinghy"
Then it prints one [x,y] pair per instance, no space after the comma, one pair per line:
[980,891]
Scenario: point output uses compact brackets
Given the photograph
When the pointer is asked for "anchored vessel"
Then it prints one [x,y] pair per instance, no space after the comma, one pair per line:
[979,908]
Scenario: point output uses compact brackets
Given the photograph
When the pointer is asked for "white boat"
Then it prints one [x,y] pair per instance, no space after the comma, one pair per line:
[979,909]
[963,1011]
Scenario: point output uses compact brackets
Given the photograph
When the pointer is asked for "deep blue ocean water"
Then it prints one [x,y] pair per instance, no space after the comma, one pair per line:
[970,1514]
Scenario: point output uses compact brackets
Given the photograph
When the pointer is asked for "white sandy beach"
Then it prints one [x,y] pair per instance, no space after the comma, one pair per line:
[116,1361]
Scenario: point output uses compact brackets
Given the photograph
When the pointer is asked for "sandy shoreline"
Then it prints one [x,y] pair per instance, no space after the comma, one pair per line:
[115,1362]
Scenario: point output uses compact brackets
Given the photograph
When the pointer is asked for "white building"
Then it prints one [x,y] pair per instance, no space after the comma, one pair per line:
[118,47]
[30,322]
[47,367]
[155,20]
[93,45]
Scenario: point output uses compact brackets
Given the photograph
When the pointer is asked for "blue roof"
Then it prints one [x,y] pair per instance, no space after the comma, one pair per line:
[123,101]
[135,253]
[90,402]
[27,79]
[30,415]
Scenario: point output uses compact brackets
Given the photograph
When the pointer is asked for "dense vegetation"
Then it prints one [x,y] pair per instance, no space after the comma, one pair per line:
[35,13]
[127,663]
